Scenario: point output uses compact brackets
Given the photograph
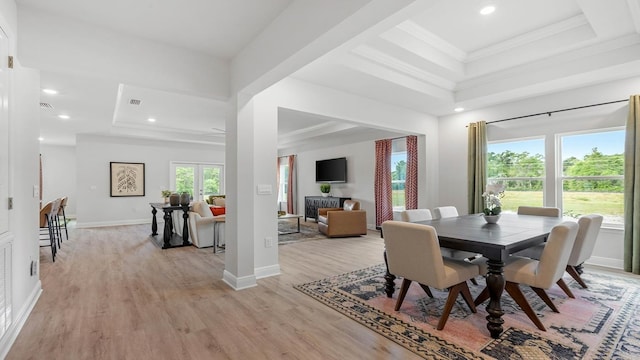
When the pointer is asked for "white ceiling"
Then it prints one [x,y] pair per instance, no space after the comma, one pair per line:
[446,56]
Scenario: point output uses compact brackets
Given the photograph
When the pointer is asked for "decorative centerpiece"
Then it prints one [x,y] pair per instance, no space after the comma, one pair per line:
[165,195]
[325,189]
[492,203]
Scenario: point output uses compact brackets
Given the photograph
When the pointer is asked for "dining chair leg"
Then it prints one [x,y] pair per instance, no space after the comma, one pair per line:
[451,300]
[482,297]
[466,296]
[64,218]
[576,276]
[545,297]
[516,293]
[403,293]
[565,288]
[474,281]
[427,290]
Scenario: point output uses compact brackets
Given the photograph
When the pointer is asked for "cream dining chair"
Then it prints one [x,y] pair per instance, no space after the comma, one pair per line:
[539,211]
[415,215]
[588,229]
[442,212]
[538,274]
[413,252]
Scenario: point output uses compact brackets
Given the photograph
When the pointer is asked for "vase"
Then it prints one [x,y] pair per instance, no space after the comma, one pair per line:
[174,199]
[184,198]
[325,194]
[491,219]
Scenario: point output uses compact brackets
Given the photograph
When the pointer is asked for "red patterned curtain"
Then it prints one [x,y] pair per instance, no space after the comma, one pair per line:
[290,191]
[382,184]
[278,178]
[411,181]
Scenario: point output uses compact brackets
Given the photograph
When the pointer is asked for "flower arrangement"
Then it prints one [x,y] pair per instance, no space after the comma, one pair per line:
[492,196]
[166,193]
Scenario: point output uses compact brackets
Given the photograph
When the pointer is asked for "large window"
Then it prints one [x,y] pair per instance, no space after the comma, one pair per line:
[520,166]
[398,172]
[283,170]
[592,175]
[198,179]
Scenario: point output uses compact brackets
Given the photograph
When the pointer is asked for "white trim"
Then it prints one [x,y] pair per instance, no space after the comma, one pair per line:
[84,225]
[267,271]
[16,326]
[606,262]
[241,283]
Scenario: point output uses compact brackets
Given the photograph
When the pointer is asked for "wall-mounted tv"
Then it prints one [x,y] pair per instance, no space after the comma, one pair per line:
[331,170]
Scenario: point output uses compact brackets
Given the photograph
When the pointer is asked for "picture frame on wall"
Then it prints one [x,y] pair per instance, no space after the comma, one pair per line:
[127,179]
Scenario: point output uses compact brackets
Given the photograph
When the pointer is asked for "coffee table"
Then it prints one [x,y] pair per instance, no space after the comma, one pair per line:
[289,216]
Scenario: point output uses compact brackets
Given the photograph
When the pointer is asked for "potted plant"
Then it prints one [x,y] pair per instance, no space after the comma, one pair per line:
[492,202]
[325,189]
[165,195]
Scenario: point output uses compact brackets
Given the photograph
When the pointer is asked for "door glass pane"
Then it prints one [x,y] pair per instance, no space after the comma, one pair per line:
[185,176]
[211,181]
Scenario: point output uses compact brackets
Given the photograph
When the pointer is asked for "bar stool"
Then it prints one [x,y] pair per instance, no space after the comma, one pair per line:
[61,212]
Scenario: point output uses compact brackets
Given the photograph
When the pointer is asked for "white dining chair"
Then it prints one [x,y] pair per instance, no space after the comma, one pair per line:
[539,211]
[442,212]
[415,215]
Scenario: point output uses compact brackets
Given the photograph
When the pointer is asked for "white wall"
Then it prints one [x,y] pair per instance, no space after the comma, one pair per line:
[452,181]
[59,175]
[95,207]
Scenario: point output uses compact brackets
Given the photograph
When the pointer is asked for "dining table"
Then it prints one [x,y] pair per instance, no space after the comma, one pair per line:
[496,242]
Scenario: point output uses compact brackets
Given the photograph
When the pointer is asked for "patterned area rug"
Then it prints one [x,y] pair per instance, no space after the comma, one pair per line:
[308,231]
[602,322]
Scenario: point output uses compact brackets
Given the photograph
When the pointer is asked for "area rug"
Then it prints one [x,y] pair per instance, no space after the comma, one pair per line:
[308,231]
[602,322]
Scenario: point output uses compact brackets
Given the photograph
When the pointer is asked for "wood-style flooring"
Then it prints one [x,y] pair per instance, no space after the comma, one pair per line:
[112,294]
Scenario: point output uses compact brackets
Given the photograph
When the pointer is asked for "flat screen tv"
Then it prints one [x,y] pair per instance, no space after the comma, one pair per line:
[331,170]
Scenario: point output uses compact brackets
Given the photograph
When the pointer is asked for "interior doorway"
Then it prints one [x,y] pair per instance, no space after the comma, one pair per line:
[200,180]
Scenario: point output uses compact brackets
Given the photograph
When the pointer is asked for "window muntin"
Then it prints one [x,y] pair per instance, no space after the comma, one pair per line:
[592,175]
[520,166]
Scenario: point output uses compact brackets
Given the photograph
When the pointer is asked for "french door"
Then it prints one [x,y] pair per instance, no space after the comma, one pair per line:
[198,179]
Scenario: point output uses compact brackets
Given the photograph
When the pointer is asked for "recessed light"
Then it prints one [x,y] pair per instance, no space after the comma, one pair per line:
[40,138]
[487,10]
[64,117]
[458,109]
[50,91]
[151,120]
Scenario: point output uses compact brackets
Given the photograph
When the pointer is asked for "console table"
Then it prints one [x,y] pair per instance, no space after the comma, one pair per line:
[312,203]
[169,238]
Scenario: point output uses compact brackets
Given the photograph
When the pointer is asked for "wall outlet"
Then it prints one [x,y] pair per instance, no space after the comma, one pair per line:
[268,241]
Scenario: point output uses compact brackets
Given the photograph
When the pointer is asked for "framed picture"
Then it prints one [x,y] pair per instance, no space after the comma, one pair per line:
[127,179]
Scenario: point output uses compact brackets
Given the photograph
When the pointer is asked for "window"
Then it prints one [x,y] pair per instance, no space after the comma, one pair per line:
[520,166]
[200,180]
[284,178]
[592,179]
[398,172]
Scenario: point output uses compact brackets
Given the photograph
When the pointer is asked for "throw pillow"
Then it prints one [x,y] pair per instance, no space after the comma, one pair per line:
[217,210]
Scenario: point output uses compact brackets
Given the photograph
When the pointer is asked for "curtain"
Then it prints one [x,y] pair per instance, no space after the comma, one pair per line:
[411,181]
[278,164]
[382,182]
[290,187]
[477,165]
[40,181]
[632,188]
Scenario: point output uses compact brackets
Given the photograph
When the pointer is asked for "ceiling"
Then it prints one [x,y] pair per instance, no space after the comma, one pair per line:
[432,61]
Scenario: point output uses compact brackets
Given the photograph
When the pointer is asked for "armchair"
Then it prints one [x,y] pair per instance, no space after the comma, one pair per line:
[341,222]
[201,224]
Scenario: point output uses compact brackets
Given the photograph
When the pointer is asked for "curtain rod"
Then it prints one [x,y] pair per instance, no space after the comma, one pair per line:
[556,111]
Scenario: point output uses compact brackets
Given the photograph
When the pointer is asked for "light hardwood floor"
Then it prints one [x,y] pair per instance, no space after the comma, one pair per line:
[112,294]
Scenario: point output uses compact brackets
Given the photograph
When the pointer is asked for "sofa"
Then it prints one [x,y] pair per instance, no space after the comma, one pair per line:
[341,222]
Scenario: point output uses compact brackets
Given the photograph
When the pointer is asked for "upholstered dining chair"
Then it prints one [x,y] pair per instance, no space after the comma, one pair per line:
[62,213]
[442,212]
[413,252]
[414,215]
[54,222]
[539,211]
[539,274]
[46,229]
[588,229]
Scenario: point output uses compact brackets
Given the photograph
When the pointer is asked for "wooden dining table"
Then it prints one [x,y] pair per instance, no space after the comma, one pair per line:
[496,242]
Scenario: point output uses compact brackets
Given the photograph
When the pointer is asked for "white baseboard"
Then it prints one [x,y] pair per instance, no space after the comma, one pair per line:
[267,271]
[21,317]
[617,264]
[84,225]
[237,283]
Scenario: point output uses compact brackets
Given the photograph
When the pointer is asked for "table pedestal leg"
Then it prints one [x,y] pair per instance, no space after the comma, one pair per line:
[389,278]
[154,222]
[495,284]
[168,229]
[185,228]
